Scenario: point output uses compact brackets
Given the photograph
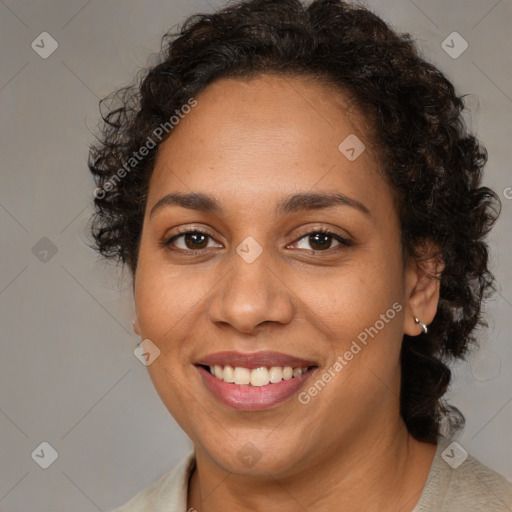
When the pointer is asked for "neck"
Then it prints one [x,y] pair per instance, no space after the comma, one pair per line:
[376,472]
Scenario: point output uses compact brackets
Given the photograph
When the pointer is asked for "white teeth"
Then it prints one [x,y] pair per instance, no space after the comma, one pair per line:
[297,372]
[242,375]
[275,374]
[287,372]
[257,376]
[229,374]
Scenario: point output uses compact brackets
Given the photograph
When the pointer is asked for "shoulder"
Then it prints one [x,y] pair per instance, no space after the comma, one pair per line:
[458,482]
[168,493]
[474,486]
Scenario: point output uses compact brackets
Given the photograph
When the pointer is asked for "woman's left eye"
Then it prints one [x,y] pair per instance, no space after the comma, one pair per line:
[321,241]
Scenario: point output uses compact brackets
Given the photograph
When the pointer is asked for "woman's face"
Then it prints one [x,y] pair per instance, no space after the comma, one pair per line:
[257,284]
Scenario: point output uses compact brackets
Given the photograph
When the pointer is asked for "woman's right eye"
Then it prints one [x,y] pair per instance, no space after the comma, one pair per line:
[192,240]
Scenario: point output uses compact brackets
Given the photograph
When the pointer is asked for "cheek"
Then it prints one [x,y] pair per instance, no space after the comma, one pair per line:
[164,302]
[352,297]
[162,299]
[164,293]
[361,316]
[360,312]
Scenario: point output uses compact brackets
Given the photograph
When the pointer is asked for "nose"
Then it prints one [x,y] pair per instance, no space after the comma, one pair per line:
[251,294]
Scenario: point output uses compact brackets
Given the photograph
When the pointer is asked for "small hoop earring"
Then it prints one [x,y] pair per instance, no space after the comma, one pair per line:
[421,324]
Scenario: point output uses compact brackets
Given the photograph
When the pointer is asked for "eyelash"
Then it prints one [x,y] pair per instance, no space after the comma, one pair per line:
[184,231]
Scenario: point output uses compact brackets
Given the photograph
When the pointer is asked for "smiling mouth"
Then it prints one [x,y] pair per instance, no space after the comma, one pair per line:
[257,377]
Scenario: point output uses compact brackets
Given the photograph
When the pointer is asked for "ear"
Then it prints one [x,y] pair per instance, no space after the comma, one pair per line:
[136,326]
[422,286]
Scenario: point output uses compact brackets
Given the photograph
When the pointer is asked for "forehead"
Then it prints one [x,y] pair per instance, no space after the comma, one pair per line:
[267,137]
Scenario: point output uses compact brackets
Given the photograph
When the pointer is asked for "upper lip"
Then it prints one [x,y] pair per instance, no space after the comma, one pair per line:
[253,360]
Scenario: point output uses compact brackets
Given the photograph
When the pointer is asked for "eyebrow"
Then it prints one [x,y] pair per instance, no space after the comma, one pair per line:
[295,203]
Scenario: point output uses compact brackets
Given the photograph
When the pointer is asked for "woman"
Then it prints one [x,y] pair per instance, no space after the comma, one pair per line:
[294,192]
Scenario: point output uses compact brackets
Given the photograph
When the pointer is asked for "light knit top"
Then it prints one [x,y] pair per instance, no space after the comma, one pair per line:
[456,482]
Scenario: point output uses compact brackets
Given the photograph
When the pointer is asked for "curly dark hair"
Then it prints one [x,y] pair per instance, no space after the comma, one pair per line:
[434,166]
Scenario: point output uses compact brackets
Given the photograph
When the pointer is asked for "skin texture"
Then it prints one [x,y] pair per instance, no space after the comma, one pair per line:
[251,143]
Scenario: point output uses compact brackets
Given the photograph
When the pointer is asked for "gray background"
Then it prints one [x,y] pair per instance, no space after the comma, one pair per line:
[68,373]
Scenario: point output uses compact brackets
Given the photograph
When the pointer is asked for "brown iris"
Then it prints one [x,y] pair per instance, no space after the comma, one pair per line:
[198,240]
[320,239]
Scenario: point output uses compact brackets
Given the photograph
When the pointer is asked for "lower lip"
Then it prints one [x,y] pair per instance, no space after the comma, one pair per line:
[252,398]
